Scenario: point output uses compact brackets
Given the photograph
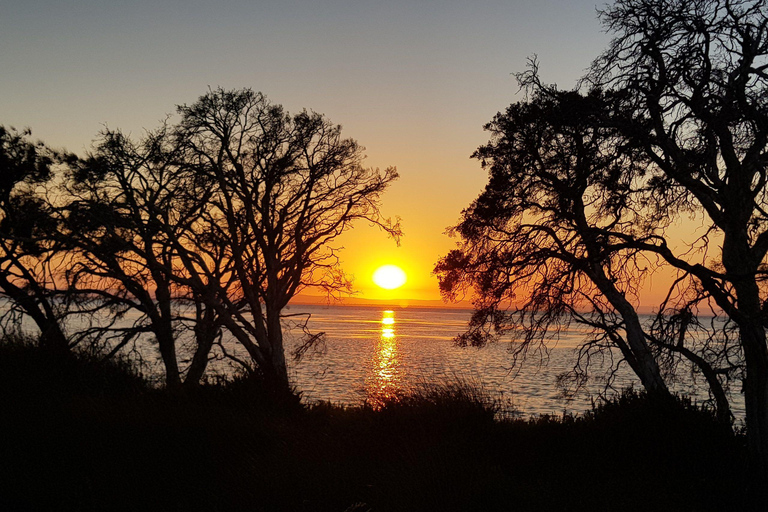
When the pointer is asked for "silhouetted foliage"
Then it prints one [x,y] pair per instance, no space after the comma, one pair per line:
[283,188]
[27,254]
[693,74]
[213,224]
[687,81]
[130,219]
[542,245]
[556,238]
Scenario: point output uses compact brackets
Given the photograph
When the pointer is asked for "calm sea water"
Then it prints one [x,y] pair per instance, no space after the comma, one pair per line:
[371,352]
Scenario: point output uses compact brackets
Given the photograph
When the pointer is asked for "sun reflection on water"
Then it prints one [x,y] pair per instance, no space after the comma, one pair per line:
[385,379]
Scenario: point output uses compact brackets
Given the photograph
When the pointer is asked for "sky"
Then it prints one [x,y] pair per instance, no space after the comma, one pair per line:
[412,81]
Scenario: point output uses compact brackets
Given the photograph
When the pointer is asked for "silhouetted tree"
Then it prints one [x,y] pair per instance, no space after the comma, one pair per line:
[553,238]
[539,247]
[283,188]
[694,74]
[214,223]
[128,223]
[27,253]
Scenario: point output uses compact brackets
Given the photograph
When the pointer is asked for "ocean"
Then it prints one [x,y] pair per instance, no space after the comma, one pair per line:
[371,352]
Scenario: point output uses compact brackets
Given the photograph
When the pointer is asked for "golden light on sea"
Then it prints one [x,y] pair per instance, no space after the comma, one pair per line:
[385,380]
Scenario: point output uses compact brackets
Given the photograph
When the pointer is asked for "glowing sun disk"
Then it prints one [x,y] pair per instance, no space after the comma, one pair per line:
[389,277]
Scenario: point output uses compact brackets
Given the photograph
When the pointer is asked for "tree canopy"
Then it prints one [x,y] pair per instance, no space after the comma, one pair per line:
[27,252]
[669,122]
[205,225]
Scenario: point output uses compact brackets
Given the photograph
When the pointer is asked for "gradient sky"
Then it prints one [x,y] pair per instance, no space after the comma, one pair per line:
[414,82]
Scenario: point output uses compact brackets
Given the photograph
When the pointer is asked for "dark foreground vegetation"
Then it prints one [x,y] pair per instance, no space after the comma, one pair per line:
[83,435]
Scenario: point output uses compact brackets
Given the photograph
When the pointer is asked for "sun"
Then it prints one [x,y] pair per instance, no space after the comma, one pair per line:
[389,277]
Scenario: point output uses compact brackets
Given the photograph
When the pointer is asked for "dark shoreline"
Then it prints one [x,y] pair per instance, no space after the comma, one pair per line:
[82,435]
